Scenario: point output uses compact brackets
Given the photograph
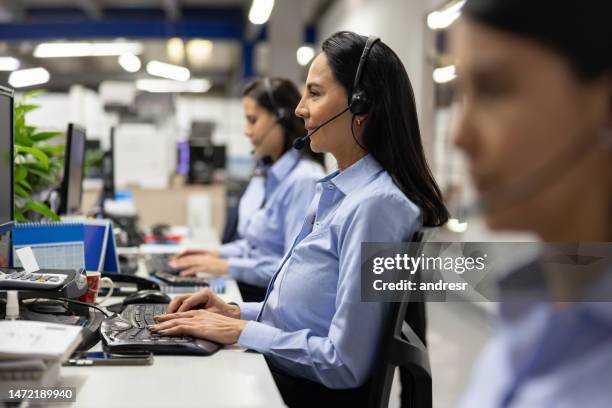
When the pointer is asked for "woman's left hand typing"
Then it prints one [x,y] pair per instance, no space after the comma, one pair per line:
[201,324]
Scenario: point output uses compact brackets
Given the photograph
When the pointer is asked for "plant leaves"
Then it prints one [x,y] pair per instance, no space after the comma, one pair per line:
[41,208]
[19,216]
[21,173]
[26,108]
[32,94]
[21,191]
[45,176]
[53,151]
[23,140]
[40,155]
[39,137]
[25,184]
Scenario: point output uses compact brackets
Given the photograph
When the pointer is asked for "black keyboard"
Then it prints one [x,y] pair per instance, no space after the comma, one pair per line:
[174,280]
[128,332]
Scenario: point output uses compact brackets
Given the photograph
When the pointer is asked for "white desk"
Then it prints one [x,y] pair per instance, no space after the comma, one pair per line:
[229,378]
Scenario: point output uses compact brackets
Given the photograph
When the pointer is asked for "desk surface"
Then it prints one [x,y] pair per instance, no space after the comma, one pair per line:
[231,377]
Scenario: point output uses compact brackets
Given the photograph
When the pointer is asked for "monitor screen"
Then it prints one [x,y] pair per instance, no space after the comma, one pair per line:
[72,184]
[6,173]
[6,156]
[108,168]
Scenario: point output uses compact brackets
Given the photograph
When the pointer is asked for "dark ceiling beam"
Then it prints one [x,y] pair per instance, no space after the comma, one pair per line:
[91,8]
[213,29]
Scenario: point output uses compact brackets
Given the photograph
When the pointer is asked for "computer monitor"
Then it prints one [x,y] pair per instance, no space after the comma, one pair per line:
[74,162]
[6,174]
[108,169]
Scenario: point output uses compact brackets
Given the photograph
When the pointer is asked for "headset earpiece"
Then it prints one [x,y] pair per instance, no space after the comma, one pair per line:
[282,115]
[359,101]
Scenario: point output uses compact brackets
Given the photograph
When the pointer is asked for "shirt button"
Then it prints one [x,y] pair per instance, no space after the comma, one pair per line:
[330,186]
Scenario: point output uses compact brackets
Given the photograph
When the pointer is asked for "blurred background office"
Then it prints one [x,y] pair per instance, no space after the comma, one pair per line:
[163,77]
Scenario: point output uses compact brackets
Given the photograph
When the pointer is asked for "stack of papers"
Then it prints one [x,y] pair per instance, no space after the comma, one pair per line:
[23,339]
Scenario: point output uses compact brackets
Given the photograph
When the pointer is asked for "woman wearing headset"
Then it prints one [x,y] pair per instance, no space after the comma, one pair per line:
[274,204]
[312,324]
[536,127]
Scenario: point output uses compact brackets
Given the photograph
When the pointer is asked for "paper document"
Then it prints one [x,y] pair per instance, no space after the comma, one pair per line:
[31,339]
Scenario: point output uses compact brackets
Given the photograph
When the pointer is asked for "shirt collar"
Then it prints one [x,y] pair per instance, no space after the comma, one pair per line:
[355,175]
[283,166]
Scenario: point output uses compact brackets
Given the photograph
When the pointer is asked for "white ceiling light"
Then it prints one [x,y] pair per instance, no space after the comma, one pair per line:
[175,48]
[199,52]
[29,77]
[441,19]
[169,86]
[444,74]
[9,64]
[169,71]
[260,11]
[304,55]
[86,49]
[130,62]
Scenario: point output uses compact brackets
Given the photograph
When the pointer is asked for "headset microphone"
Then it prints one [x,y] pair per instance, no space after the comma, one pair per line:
[300,143]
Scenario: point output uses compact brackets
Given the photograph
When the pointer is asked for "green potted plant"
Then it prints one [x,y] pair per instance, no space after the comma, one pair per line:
[38,163]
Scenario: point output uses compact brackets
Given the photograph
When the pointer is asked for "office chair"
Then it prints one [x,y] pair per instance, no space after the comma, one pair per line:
[402,347]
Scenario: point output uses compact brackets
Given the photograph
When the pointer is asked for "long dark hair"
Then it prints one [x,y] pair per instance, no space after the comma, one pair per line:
[286,96]
[391,133]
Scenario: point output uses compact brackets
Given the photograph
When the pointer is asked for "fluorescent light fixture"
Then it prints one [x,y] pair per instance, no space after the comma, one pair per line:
[454,225]
[9,64]
[130,62]
[169,71]
[304,55]
[86,49]
[169,86]
[444,74]
[175,48]
[199,52]
[437,20]
[260,11]
[29,77]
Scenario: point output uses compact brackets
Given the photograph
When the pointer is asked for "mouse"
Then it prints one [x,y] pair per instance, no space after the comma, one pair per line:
[147,296]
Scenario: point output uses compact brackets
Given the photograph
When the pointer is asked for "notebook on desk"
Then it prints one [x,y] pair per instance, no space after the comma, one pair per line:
[72,244]
[55,245]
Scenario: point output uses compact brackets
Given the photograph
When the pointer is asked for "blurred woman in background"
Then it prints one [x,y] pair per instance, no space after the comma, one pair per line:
[536,125]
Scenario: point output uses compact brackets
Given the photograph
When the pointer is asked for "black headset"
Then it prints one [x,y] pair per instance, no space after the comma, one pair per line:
[359,101]
[282,114]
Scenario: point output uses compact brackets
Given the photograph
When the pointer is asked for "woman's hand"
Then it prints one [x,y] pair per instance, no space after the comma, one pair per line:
[192,264]
[201,324]
[203,299]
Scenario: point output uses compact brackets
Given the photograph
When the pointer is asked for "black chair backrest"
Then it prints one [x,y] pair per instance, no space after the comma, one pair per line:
[402,347]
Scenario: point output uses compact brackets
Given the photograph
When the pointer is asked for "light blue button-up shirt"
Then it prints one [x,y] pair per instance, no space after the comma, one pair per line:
[312,323]
[266,235]
[251,200]
[545,357]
